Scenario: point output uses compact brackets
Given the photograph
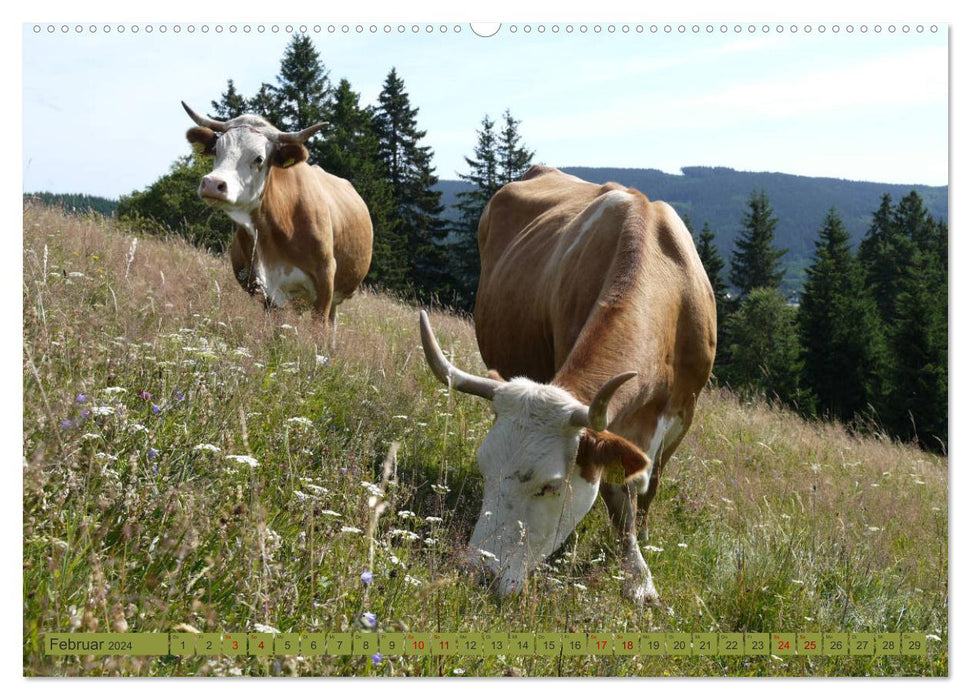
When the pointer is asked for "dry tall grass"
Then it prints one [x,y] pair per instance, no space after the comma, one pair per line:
[192,460]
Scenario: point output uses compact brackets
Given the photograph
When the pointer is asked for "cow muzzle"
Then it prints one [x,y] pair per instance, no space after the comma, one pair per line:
[214,188]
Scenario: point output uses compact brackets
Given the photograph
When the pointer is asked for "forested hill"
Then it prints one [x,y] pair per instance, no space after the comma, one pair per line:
[720,195]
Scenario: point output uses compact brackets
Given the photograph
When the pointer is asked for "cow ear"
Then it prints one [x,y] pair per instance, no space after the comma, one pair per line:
[604,456]
[288,154]
[204,137]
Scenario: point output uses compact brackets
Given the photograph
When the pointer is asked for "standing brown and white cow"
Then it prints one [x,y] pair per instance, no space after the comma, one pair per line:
[590,297]
[302,231]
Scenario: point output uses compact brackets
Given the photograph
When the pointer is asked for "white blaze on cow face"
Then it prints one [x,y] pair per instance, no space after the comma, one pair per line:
[534,493]
[240,168]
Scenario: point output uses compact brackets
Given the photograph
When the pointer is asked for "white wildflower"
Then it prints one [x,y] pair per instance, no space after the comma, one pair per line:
[458,671]
[300,420]
[683,545]
[266,629]
[137,428]
[430,541]
[440,488]
[320,490]
[90,436]
[287,327]
[412,580]
[105,455]
[652,548]
[102,410]
[874,528]
[331,513]
[242,352]
[433,520]
[406,514]
[400,417]
[406,534]
[372,489]
[301,496]
[114,390]
[206,447]
[244,459]
[579,586]
[355,530]
[321,360]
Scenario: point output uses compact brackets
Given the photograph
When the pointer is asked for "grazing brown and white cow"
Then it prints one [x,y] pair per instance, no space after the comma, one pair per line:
[590,297]
[302,231]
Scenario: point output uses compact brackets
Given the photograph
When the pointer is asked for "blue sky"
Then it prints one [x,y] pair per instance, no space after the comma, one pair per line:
[101,112]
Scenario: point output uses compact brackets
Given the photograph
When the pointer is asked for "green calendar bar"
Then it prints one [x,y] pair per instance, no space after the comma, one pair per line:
[495,643]
[809,644]
[480,644]
[444,644]
[364,643]
[574,644]
[548,643]
[313,644]
[782,644]
[600,644]
[340,644]
[286,644]
[731,644]
[704,644]
[836,644]
[391,643]
[106,644]
[260,644]
[679,643]
[209,644]
[862,644]
[417,644]
[913,644]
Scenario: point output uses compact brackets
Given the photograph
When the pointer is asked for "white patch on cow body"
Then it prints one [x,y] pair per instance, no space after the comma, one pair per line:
[282,282]
[667,431]
[614,197]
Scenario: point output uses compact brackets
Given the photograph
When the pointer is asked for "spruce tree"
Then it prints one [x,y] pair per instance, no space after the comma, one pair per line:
[713,263]
[839,327]
[417,208]
[755,260]
[350,151]
[885,254]
[514,159]
[231,104]
[484,176]
[303,88]
[266,103]
[762,345]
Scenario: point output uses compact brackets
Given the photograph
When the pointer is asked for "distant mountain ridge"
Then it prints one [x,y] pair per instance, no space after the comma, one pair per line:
[720,196]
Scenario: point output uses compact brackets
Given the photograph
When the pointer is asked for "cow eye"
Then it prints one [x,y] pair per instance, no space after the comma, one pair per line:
[549,489]
[258,162]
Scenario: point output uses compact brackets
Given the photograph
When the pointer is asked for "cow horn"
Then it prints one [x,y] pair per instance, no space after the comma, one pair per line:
[204,121]
[448,373]
[595,416]
[298,136]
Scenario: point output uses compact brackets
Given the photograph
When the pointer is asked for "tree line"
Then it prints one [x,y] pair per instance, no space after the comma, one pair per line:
[419,253]
[866,344]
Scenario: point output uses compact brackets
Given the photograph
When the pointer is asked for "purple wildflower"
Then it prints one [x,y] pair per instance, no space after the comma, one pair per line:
[367,577]
[376,659]
[152,453]
[145,396]
[85,414]
[179,395]
[81,398]
[369,619]
[67,424]
[156,409]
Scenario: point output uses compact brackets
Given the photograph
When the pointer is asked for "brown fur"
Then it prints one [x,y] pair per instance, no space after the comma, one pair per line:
[314,221]
[564,301]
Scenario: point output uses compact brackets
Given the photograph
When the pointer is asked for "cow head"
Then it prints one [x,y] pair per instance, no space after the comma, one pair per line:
[542,461]
[245,148]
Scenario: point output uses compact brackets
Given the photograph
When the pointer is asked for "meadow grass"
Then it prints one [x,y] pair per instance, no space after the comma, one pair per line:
[190,461]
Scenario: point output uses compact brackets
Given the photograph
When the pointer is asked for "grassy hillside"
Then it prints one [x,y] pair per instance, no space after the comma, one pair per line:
[191,460]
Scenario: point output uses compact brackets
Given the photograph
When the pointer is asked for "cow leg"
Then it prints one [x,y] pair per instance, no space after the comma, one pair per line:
[324,308]
[644,500]
[622,507]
